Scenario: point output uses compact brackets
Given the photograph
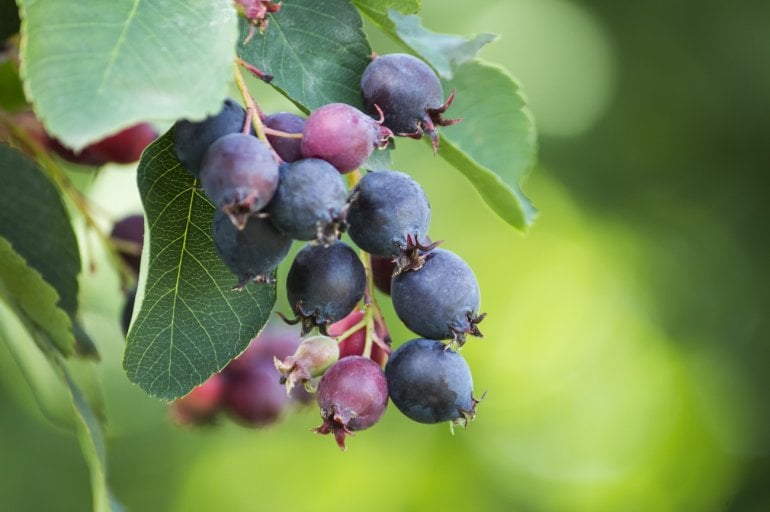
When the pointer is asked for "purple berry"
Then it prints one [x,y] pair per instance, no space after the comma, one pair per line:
[441,300]
[382,273]
[310,202]
[431,383]
[255,397]
[342,135]
[192,138]
[239,175]
[324,284]
[408,93]
[129,235]
[352,395]
[201,405]
[128,310]
[287,148]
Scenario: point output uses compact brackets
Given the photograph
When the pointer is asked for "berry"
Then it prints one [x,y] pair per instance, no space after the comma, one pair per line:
[239,175]
[128,310]
[287,148]
[430,383]
[439,301]
[255,397]
[408,93]
[202,404]
[128,233]
[342,135]
[313,356]
[124,147]
[324,284]
[251,253]
[354,343]
[352,395]
[192,138]
[310,202]
[389,216]
[382,273]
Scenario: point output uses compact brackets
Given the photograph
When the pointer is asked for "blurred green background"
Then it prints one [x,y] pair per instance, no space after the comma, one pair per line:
[625,361]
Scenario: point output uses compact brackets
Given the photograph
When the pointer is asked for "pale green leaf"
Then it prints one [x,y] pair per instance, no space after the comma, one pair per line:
[316,52]
[92,67]
[377,10]
[190,324]
[495,145]
[444,52]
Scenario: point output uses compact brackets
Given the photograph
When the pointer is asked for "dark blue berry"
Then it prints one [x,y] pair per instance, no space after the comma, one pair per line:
[441,300]
[251,253]
[408,93]
[389,213]
[239,175]
[431,383]
[192,138]
[310,201]
[324,284]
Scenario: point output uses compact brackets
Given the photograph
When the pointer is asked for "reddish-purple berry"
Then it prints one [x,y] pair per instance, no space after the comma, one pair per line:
[128,233]
[352,395]
[342,135]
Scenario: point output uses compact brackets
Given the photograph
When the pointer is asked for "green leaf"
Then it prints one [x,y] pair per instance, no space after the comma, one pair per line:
[11,92]
[316,52]
[190,324]
[444,52]
[35,222]
[377,10]
[495,145]
[25,287]
[92,68]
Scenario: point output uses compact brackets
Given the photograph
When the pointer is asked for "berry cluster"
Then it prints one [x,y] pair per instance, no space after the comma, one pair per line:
[282,181]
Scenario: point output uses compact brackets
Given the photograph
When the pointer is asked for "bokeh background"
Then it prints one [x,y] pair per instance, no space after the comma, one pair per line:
[626,357]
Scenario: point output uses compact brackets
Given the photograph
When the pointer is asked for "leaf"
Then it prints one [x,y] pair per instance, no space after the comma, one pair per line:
[444,52]
[316,52]
[25,287]
[89,432]
[92,68]
[190,324]
[35,222]
[495,144]
[377,10]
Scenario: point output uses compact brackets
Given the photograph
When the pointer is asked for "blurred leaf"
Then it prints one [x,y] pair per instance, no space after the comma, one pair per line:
[92,68]
[316,52]
[11,92]
[495,144]
[9,19]
[445,52]
[377,10]
[26,288]
[35,222]
[91,439]
[190,324]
